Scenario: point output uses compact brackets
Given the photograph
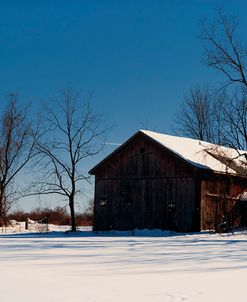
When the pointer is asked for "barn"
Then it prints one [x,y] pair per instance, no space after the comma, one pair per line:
[154,180]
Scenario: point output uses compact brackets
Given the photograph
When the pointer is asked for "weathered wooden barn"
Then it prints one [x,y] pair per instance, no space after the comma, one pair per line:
[160,181]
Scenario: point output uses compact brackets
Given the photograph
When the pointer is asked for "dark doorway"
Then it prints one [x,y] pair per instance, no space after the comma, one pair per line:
[171,209]
[243,211]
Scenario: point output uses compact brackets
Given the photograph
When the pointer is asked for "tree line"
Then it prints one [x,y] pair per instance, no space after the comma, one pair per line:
[57,216]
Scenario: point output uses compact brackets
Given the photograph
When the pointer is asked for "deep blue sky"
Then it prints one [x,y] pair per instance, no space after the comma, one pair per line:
[137,58]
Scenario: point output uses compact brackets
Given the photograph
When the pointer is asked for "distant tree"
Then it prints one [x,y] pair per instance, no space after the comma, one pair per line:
[17,148]
[73,133]
[224,50]
[217,117]
[196,117]
[89,208]
[234,120]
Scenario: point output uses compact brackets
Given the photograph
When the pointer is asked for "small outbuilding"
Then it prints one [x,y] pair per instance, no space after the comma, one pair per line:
[155,180]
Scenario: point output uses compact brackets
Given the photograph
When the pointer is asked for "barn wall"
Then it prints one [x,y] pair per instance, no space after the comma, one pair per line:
[220,201]
[143,186]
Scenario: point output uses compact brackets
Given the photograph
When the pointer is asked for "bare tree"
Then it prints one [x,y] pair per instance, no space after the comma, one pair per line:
[196,116]
[16,150]
[214,116]
[234,120]
[224,51]
[88,208]
[227,53]
[219,116]
[73,134]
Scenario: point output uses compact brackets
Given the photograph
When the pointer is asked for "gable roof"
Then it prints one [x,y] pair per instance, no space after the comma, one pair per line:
[198,153]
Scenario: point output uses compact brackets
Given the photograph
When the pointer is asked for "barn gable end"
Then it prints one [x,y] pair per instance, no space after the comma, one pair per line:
[144,185]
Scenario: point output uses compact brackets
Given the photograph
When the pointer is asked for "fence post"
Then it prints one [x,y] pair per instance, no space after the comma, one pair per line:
[26,224]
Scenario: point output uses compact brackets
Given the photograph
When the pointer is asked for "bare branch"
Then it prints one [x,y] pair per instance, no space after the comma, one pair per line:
[223,50]
[72,134]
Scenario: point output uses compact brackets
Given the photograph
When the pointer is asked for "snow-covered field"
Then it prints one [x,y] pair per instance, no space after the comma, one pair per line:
[150,266]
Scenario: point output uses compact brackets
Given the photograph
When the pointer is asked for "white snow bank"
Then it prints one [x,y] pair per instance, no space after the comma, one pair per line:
[109,267]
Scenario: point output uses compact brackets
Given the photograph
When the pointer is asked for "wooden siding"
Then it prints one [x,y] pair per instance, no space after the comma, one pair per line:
[220,202]
[145,186]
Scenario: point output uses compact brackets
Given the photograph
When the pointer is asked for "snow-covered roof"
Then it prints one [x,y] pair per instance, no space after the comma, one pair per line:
[198,153]
[203,154]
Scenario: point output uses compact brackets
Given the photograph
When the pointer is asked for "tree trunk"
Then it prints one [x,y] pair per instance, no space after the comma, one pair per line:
[2,208]
[72,214]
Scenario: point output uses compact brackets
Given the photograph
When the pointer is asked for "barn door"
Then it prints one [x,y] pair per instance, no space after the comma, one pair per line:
[243,214]
[128,215]
[105,217]
[241,209]
[171,208]
[126,205]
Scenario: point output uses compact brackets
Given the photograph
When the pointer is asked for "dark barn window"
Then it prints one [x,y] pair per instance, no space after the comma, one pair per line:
[171,206]
[142,150]
[103,202]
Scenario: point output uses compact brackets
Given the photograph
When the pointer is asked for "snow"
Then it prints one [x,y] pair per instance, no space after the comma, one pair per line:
[19,227]
[193,151]
[149,266]
[243,196]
